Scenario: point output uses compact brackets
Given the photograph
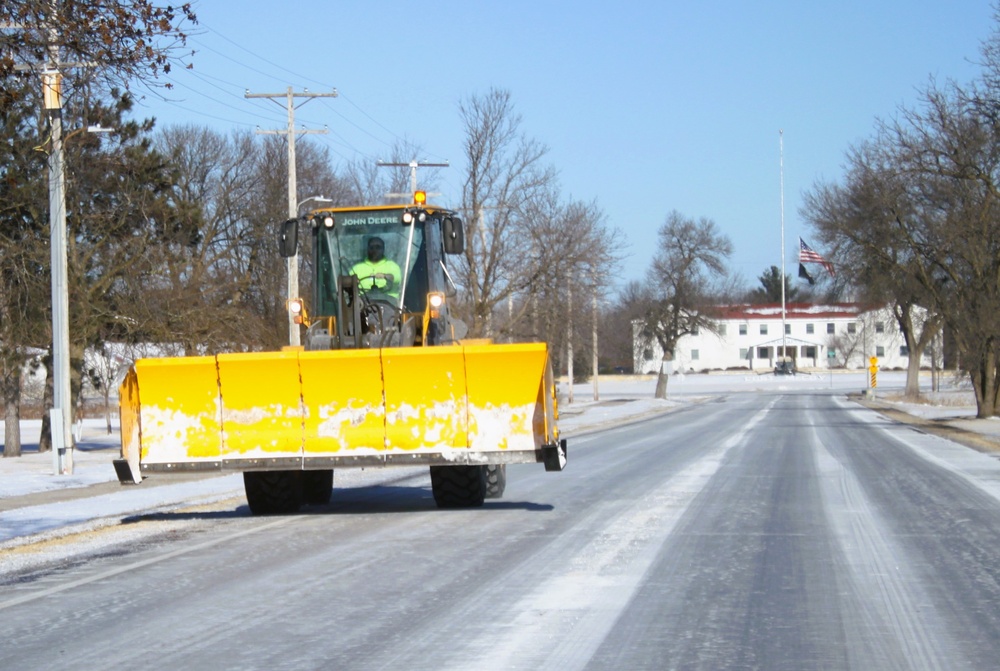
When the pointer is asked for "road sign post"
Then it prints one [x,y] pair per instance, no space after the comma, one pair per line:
[873,373]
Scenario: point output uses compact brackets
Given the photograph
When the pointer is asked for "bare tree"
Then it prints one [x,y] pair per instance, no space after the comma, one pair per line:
[928,188]
[580,256]
[955,150]
[616,321]
[504,186]
[845,346]
[103,366]
[213,281]
[197,276]
[577,255]
[691,256]
[863,223]
[918,221]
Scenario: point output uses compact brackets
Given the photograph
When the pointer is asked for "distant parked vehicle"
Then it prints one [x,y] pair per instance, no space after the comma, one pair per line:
[785,366]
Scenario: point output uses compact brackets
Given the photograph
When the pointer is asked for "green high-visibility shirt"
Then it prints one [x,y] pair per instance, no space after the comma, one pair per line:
[366,271]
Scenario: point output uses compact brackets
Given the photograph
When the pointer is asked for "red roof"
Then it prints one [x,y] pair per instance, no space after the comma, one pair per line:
[801,311]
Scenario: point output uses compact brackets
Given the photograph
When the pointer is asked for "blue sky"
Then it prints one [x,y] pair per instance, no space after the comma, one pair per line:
[646,107]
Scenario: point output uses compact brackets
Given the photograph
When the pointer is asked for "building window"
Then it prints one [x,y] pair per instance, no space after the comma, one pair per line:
[810,328]
[694,355]
[788,329]
[852,328]
[904,350]
[808,352]
[763,352]
[744,353]
[879,327]
[829,328]
[763,329]
[879,350]
[722,329]
[694,331]
[743,329]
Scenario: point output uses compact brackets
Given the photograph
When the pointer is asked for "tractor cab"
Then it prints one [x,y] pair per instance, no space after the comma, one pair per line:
[380,277]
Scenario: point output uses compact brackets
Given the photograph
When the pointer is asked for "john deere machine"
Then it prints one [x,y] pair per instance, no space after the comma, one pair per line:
[384,378]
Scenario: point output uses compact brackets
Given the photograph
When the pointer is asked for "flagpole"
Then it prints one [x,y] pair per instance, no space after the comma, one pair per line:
[781,170]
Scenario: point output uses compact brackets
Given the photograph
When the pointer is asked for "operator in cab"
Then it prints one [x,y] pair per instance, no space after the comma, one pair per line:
[376,272]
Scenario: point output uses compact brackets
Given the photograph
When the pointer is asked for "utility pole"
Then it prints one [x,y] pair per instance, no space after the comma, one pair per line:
[412,165]
[293,207]
[781,170]
[569,339]
[62,410]
[594,354]
[61,414]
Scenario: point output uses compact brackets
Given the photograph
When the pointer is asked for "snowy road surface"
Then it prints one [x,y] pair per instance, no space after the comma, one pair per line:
[783,530]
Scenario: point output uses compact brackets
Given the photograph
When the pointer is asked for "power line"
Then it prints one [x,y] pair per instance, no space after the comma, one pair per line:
[257,55]
[213,99]
[200,42]
[228,88]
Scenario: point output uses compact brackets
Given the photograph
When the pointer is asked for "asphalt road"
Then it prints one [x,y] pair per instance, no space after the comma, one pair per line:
[784,531]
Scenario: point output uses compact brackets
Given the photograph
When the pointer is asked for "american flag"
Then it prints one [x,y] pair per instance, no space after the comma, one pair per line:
[808,255]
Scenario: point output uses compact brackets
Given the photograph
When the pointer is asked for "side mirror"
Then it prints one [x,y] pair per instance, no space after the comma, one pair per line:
[454,235]
[288,238]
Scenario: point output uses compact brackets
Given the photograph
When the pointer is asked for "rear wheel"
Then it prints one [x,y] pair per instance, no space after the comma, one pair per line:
[317,487]
[273,492]
[458,486]
[496,480]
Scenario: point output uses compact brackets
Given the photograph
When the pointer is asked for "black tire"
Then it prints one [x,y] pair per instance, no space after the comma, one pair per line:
[273,492]
[317,487]
[496,480]
[458,486]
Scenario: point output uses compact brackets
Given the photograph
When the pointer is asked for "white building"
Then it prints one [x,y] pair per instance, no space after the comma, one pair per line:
[839,335]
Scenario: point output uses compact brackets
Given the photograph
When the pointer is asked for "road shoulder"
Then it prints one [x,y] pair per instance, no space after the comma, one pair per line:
[978,434]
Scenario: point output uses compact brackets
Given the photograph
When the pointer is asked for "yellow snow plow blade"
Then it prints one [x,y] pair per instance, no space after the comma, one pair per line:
[473,404]
[504,412]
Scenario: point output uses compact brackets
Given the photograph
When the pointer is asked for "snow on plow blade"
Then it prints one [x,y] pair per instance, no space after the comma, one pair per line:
[471,404]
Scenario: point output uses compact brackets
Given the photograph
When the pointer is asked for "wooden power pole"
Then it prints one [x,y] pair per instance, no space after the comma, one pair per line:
[293,206]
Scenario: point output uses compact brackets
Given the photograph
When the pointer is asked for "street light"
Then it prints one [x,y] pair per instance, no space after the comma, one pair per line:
[294,338]
[318,199]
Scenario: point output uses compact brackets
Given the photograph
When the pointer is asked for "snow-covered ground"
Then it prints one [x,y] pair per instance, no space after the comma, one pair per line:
[620,398]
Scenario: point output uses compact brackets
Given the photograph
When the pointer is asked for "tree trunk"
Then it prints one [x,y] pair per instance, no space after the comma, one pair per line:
[917,345]
[595,359]
[995,384]
[11,393]
[984,383]
[107,408]
[75,380]
[48,399]
[913,374]
[661,379]
[932,349]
